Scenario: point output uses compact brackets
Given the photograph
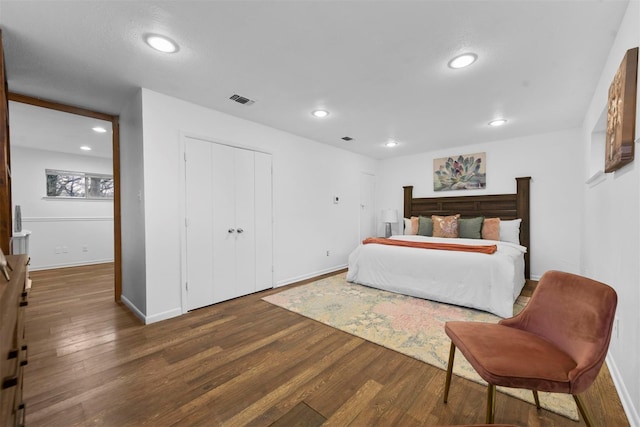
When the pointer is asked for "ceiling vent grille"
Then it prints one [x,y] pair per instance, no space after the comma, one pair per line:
[241,99]
[347,138]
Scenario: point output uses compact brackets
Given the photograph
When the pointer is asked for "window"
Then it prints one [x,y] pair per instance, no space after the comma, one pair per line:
[79,185]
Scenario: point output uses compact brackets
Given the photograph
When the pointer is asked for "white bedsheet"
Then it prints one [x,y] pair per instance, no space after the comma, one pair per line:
[485,282]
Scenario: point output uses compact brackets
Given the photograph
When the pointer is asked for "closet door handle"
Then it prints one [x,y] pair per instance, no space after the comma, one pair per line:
[240,230]
[231,230]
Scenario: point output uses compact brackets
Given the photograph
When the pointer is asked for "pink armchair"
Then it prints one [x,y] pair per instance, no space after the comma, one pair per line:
[556,344]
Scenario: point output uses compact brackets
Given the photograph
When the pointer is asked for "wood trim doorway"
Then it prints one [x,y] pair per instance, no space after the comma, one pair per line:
[6,226]
[117,245]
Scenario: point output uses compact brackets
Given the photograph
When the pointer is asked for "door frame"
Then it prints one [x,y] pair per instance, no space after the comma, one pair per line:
[6,225]
[115,132]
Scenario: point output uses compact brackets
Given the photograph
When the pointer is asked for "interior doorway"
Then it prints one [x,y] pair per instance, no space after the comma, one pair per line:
[20,103]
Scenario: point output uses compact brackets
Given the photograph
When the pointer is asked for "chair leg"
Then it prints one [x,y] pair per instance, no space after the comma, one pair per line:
[583,411]
[447,384]
[491,403]
[536,399]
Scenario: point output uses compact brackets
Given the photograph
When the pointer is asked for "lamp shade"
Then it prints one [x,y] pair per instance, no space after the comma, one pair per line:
[389,215]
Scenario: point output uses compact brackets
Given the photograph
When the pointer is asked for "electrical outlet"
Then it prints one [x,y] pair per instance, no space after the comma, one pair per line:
[328,253]
[85,248]
[65,249]
[57,249]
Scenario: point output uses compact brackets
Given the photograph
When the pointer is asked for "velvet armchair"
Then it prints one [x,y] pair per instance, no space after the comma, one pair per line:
[557,343]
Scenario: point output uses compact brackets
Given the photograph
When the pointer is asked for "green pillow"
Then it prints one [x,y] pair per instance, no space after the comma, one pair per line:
[425,226]
[471,228]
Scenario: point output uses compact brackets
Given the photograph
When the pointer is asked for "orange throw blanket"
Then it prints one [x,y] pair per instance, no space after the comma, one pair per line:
[483,249]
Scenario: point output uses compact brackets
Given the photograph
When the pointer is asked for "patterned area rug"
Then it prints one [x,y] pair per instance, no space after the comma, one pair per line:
[411,326]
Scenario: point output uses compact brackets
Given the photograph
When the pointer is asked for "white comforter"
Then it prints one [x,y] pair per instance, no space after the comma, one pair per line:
[485,282]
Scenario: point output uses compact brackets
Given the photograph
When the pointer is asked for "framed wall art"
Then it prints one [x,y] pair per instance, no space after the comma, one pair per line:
[621,114]
[462,172]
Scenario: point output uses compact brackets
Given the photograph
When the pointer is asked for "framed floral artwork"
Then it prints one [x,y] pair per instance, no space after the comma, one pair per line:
[462,172]
[621,114]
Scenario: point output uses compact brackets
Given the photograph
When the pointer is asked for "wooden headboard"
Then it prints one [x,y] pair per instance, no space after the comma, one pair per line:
[503,206]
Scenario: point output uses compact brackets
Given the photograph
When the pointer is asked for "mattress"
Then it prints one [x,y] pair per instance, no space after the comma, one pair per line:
[485,282]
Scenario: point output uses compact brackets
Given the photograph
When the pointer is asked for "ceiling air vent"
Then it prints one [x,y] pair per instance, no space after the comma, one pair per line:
[241,99]
[347,138]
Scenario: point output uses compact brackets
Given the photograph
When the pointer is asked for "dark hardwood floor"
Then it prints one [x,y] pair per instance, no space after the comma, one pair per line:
[244,362]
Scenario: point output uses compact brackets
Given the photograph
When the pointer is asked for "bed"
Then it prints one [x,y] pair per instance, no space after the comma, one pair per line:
[477,280]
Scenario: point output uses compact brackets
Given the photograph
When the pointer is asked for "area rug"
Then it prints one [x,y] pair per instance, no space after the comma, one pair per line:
[411,326]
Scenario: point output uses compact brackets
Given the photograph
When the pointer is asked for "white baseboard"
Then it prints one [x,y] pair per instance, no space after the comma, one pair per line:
[629,409]
[309,276]
[70,264]
[153,318]
[174,312]
[140,315]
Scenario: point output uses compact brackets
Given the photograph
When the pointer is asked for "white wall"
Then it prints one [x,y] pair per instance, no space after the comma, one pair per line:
[611,228]
[134,293]
[551,160]
[306,176]
[70,225]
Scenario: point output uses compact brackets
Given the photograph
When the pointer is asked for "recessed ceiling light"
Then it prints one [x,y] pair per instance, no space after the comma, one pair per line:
[463,60]
[497,122]
[85,148]
[99,129]
[321,114]
[391,144]
[161,43]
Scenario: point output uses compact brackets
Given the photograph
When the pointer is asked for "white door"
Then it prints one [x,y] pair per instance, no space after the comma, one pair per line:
[367,206]
[245,235]
[199,235]
[224,188]
[229,242]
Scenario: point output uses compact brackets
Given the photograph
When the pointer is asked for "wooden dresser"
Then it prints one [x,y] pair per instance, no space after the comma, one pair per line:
[13,344]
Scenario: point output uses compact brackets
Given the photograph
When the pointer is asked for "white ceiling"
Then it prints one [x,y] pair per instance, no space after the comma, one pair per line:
[379,67]
[51,130]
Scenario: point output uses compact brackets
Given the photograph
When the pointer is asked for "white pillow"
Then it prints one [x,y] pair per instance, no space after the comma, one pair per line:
[510,231]
[411,226]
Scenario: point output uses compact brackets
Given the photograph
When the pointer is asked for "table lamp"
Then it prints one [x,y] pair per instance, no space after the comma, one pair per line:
[389,216]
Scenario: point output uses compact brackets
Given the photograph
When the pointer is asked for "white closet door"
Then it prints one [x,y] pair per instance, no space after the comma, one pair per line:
[367,206]
[264,222]
[229,239]
[245,260]
[199,210]
[225,227]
